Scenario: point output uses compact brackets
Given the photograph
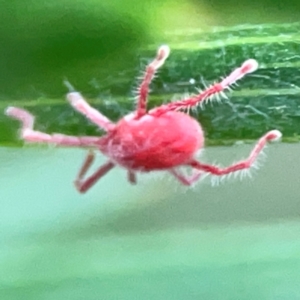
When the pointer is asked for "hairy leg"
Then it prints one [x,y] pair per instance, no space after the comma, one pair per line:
[143,90]
[83,185]
[81,105]
[32,136]
[244,164]
[186,180]
[248,66]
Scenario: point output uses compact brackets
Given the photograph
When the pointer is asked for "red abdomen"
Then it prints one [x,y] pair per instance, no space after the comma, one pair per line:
[153,143]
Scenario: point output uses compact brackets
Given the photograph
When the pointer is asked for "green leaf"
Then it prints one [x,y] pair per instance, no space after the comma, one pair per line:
[267,99]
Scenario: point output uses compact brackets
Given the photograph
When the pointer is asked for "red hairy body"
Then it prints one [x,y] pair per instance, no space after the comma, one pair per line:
[153,143]
[160,139]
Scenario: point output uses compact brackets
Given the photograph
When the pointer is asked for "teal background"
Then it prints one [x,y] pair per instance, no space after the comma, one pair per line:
[156,240]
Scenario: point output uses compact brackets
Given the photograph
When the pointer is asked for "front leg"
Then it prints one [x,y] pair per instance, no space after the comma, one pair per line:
[273,135]
[30,135]
[81,105]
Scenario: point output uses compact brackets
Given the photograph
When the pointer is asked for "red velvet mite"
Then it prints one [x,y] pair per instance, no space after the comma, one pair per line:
[163,138]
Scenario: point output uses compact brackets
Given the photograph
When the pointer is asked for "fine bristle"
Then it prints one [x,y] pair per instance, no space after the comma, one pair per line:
[69,86]
[240,174]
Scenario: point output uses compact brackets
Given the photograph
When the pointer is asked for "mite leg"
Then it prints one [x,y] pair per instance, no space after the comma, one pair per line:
[216,89]
[242,165]
[186,180]
[143,90]
[83,185]
[32,136]
[80,104]
[131,176]
[90,158]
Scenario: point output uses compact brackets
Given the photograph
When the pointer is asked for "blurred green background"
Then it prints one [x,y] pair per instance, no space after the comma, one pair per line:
[42,42]
[156,240]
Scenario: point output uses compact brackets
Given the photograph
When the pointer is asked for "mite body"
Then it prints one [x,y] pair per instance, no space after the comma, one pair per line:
[153,143]
[163,138]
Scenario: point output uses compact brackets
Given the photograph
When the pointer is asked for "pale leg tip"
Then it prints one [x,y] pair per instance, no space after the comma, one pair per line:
[162,54]
[9,111]
[250,65]
[74,97]
[275,135]
[164,51]
[20,114]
